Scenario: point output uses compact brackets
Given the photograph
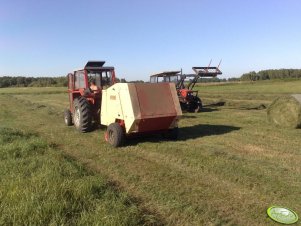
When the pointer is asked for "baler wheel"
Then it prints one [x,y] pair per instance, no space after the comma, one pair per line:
[82,118]
[115,135]
[68,117]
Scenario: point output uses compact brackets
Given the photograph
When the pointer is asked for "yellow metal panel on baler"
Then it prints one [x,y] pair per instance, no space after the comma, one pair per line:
[134,100]
[110,106]
[127,106]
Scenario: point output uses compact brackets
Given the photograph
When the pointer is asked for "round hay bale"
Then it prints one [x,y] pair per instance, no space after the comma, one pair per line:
[286,111]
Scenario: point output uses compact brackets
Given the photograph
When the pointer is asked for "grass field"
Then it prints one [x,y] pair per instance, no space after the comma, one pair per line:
[228,166]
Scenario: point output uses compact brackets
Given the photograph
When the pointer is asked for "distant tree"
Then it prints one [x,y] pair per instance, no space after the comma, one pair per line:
[251,76]
[233,79]
[207,80]
[271,74]
[8,81]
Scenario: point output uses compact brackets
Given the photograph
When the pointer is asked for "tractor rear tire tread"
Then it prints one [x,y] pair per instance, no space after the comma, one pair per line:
[85,120]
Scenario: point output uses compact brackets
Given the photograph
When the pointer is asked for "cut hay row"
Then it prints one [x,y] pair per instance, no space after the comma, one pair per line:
[236,104]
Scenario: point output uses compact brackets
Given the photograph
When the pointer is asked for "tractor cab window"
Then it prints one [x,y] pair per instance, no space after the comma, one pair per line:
[95,76]
[153,79]
[101,78]
[79,80]
[161,79]
[106,78]
[173,78]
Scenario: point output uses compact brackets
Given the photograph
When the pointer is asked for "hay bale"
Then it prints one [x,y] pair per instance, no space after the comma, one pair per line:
[286,111]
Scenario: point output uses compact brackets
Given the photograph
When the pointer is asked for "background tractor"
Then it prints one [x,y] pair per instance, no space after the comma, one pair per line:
[188,98]
[126,108]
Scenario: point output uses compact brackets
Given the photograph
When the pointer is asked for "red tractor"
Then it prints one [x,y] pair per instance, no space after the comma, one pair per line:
[188,97]
[84,109]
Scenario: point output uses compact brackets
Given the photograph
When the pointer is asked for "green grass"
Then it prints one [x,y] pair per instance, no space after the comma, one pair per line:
[228,166]
[41,186]
[33,90]
[264,87]
[247,94]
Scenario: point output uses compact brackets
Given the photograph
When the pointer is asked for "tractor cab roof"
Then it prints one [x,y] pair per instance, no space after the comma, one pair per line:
[165,73]
[95,65]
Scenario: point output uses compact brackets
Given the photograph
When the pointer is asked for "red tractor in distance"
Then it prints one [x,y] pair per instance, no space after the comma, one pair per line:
[84,102]
[188,97]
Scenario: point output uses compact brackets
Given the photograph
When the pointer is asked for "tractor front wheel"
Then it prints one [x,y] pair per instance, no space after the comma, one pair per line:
[68,117]
[115,135]
[194,105]
[199,105]
[82,115]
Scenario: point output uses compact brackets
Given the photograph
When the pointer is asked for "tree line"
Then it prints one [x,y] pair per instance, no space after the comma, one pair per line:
[271,74]
[21,81]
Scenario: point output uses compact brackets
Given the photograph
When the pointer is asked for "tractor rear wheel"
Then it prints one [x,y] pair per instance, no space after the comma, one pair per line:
[68,117]
[115,135]
[82,115]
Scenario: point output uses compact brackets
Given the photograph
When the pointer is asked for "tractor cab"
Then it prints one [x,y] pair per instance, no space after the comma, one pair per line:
[165,76]
[80,80]
[85,88]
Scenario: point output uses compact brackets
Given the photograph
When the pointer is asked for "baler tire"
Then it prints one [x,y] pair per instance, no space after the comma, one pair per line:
[67,117]
[115,135]
[82,117]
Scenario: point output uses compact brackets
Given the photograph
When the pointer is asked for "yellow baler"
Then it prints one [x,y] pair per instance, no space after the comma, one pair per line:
[133,108]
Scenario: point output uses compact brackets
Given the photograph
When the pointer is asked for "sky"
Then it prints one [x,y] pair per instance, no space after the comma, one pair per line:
[140,37]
